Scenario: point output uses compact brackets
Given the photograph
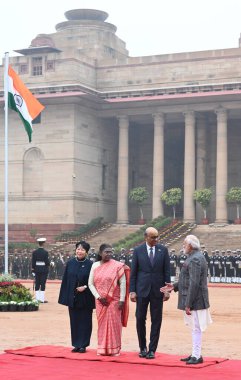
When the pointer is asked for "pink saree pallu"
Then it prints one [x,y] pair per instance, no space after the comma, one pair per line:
[106,281]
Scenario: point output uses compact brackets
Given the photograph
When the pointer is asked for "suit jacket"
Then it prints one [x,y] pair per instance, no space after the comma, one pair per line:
[76,274]
[192,284]
[144,276]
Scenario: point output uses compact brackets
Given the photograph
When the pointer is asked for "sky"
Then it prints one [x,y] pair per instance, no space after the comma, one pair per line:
[148,27]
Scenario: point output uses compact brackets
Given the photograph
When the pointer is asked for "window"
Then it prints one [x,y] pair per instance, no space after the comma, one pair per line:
[37,66]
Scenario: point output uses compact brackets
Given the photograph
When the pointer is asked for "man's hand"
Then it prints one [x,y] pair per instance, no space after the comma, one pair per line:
[167,289]
[188,311]
[133,296]
[166,296]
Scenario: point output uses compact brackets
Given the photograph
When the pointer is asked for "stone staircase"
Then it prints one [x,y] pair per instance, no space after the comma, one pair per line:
[220,237]
[109,234]
[112,234]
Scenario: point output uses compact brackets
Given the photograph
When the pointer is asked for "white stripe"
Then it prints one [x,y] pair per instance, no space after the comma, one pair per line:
[23,109]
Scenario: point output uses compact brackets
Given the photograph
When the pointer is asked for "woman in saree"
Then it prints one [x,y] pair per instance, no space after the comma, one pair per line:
[109,283]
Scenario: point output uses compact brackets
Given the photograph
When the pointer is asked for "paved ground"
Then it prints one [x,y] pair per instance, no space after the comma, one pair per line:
[50,325]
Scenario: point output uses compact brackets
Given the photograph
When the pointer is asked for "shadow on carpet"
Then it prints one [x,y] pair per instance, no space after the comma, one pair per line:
[164,360]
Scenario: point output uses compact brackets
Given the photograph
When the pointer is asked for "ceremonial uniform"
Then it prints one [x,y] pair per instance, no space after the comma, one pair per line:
[40,267]
[237,266]
[173,265]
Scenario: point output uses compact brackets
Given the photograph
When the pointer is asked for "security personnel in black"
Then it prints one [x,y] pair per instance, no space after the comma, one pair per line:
[40,267]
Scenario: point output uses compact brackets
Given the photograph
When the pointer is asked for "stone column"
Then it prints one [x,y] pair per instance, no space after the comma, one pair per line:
[158,165]
[122,189]
[189,168]
[221,167]
[201,160]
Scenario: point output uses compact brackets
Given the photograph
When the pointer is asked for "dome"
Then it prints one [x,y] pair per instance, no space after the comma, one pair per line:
[86,14]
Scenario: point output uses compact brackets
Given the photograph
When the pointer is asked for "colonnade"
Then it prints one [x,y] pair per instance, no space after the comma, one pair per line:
[193,160]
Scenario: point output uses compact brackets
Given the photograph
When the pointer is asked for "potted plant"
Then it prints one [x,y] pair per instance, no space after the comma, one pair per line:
[21,306]
[139,195]
[14,295]
[234,196]
[203,197]
[12,306]
[172,197]
[3,306]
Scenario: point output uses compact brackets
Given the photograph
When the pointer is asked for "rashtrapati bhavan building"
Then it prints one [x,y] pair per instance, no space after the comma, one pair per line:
[113,122]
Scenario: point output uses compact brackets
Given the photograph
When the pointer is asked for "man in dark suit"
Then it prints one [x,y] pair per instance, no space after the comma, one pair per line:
[150,270]
[40,269]
[193,295]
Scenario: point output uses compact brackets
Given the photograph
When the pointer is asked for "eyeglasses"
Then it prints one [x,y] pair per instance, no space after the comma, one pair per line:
[154,237]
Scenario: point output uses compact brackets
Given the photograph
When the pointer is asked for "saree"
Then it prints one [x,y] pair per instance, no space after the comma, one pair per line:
[110,318]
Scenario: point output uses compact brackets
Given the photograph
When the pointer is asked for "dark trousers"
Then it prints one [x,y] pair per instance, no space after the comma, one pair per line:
[81,326]
[40,281]
[156,306]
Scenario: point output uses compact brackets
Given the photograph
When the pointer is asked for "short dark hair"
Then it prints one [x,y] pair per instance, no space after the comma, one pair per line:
[83,244]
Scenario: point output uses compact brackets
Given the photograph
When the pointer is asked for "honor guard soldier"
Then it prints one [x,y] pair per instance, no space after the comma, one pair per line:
[229,267]
[217,265]
[114,255]
[130,257]
[237,266]
[181,259]
[223,258]
[92,255]
[123,256]
[173,264]
[40,267]
[211,267]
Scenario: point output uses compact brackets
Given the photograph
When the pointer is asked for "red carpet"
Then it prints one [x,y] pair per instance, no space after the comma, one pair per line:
[58,363]
[164,360]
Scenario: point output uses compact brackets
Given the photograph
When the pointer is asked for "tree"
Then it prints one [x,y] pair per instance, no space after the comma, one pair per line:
[172,197]
[234,196]
[203,196]
[139,195]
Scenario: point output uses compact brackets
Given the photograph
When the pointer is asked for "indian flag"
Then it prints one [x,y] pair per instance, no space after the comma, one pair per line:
[21,100]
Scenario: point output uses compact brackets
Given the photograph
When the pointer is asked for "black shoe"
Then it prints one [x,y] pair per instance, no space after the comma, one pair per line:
[76,349]
[150,355]
[194,360]
[186,359]
[82,350]
[143,353]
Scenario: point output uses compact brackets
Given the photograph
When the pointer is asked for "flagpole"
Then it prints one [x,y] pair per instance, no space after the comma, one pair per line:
[6,163]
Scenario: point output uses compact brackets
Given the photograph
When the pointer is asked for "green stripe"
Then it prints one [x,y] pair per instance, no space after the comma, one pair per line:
[12,105]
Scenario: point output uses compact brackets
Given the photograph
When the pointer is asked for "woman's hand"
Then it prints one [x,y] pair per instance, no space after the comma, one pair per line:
[81,289]
[120,305]
[103,301]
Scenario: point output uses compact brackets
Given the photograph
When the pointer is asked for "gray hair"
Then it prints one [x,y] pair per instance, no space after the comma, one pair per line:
[193,241]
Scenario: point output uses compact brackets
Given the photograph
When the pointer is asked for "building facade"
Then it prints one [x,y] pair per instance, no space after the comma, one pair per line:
[114,122]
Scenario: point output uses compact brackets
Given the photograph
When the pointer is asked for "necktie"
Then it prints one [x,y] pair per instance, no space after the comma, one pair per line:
[151,256]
